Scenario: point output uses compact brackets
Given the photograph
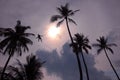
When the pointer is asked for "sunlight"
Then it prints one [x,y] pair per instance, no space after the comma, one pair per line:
[53,31]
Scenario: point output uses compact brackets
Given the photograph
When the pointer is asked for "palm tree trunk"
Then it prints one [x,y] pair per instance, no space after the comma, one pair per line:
[79,66]
[111,65]
[69,30]
[86,69]
[78,60]
[6,66]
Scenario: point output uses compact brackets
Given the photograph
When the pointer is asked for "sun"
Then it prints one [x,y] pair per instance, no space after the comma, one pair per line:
[53,31]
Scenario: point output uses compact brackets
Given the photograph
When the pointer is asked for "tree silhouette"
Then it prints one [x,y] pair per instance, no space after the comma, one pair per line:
[31,70]
[105,46]
[6,76]
[82,44]
[64,13]
[15,41]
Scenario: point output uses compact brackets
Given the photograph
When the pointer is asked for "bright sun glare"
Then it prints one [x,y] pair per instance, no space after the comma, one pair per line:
[53,31]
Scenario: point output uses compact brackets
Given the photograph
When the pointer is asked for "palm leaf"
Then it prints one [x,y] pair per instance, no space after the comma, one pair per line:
[59,23]
[71,20]
[55,18]
[73,12]
[4,42]
[99,50]
[28,34]
[110,50]
[85,49]
[88,46]
[112,44]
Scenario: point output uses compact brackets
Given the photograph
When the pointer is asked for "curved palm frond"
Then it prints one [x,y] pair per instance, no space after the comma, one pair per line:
[60,22]
[55,18]
[103,44]
[71,20]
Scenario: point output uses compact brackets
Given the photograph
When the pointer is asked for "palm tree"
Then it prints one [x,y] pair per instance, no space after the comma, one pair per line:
[64,14]
[31,70]
[105,46]
[83,45]
[15,41]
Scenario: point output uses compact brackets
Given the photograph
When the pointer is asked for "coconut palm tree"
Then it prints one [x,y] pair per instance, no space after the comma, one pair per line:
[15,41]
[31,70]
[83,45]
[64,14]
[105,46]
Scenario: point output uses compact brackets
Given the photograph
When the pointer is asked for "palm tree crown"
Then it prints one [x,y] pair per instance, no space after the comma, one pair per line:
[82,42]
[31,70]
[64,12]
[16,40]
[103,44]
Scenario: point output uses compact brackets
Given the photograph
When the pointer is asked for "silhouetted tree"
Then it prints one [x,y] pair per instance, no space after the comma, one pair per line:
[64,13]
[105,46]
[31,70]
[82,44]
[6,76]
[15,41]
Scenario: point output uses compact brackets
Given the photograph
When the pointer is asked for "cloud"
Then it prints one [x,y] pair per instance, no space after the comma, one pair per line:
[65,66]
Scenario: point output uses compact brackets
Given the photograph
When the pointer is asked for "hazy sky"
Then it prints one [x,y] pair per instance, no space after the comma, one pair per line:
[96,18]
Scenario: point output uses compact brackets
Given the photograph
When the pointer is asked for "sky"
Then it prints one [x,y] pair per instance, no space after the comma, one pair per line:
[95,18]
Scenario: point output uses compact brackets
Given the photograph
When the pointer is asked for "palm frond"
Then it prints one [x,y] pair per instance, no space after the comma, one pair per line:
[55,18]
[71,20]
[76,10]
[4,42]
[28,34]
[59,9]
[99,50]
[112,44]
[25,40]
[73,12]
[98,40]
[85,49]
[88,46]
[110,50]
[60,22]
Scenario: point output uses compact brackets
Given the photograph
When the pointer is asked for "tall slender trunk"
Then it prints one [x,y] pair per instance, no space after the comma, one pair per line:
[78,60]
[86,69]
[79,66]
[69,30]
[6,65]
[111,64]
